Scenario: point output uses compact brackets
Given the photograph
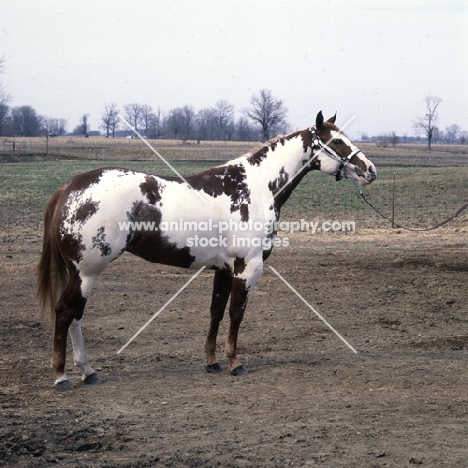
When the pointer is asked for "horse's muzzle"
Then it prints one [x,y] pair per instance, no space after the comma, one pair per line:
[368,176]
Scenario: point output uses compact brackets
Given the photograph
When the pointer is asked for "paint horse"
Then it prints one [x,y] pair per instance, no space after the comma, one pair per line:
[95,217]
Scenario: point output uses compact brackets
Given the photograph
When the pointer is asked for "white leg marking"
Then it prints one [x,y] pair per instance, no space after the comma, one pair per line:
[61,378]
[80,358]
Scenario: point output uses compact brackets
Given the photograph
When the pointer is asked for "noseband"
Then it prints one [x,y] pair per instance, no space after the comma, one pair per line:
[318,143]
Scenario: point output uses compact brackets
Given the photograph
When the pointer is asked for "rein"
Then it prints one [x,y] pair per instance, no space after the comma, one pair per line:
[317,143]
[438,225]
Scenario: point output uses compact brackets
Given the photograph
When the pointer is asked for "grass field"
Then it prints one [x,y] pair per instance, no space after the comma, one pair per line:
[123,149]
[424,194]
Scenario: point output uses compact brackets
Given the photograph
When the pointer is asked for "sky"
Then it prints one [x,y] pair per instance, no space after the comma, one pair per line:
[375,60]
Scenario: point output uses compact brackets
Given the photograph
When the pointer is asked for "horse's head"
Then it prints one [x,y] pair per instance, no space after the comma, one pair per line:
[334,154]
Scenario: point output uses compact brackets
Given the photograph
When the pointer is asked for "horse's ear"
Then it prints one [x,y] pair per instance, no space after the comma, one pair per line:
[319,120]
[332,119]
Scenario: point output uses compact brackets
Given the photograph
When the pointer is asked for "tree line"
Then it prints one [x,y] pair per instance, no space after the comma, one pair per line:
[425,130]
[263,118]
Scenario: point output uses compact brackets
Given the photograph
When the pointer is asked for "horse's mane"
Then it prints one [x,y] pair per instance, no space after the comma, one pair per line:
[260,150]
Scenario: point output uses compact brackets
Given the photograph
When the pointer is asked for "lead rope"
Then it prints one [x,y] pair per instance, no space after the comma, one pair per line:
[463,208]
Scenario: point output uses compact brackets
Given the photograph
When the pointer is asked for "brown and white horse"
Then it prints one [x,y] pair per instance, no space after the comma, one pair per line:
[95,217]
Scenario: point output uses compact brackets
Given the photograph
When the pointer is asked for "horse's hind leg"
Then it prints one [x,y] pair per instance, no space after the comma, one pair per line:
[80,357]
[221,290]
[69,310]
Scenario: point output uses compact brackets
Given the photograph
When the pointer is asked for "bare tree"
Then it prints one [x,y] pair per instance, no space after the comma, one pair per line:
[174,122]
[244,129]
[204,122]
[83,128]
[25,121]
[54,127]
[61,126]
[188,117]
[437,134]
[394,139]
[146,113]
[109,119]
[381,141]
[224,112]
[463,138]
[154,124]
[5,98]
[84,124]
[267,112]
[133,114]
[452,133]
[4,111]
[427,123]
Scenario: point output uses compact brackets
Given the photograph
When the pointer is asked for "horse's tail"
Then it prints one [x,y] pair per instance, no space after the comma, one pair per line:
[52,272]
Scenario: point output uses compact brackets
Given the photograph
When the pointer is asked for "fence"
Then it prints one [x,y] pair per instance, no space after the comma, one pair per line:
[119,149]
[420,187]
[416,197]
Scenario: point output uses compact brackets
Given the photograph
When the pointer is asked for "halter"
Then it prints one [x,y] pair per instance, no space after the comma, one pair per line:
[316,142]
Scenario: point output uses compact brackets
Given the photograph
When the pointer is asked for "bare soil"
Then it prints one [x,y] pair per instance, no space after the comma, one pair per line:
[399,298]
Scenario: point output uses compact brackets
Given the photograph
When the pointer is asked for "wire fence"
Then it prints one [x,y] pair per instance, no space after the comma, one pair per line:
[119,149]
[416,187]
[415,197]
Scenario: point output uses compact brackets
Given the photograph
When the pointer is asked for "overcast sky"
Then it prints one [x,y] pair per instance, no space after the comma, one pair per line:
[373,59]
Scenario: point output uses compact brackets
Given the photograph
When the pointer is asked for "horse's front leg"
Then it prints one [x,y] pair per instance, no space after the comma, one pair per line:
[221,290]
[242,283]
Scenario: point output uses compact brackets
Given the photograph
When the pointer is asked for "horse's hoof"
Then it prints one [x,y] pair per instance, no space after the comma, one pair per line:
[214,368]
[63,385]
[239,370]
[92,379]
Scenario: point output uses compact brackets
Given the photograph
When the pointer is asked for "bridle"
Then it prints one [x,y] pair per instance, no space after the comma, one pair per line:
[318,143]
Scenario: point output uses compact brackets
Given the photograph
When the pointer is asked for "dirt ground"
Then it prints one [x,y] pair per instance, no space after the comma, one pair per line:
[399,298]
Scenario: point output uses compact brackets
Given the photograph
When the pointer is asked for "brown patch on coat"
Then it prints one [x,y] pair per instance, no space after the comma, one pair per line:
[151,189]
[83,181]
[289,185]
[99,242]
[71,246]
[280,181]
[152,245]
[306,137]
[85,211]
[258,154]
[239,266]
[357,161]
[226,180]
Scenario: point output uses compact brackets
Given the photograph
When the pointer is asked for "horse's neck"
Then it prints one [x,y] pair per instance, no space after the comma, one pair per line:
[277,167]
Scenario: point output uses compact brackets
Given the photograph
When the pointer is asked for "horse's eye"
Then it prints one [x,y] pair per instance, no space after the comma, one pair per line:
[336,141]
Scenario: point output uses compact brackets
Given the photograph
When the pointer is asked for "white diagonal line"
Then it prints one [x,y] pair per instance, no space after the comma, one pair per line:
[160,310]
[308,162]
[173,169]
[313,310]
